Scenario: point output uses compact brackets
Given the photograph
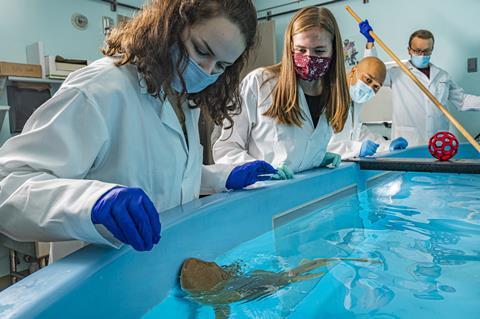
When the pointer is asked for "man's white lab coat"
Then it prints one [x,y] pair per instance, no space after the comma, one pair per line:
[415,117]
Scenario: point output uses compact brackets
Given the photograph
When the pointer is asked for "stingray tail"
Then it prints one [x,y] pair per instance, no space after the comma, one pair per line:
[221,311]
[307,277]
[309,265]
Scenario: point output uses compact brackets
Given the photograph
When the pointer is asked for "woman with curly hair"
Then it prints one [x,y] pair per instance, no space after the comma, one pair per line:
[119,141]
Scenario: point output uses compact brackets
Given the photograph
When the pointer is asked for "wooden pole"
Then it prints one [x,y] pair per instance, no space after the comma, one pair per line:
[449,116]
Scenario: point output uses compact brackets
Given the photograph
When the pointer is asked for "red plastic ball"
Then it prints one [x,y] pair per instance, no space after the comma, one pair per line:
[443,145]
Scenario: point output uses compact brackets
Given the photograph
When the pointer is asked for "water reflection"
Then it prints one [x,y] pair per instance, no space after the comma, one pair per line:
[408,222]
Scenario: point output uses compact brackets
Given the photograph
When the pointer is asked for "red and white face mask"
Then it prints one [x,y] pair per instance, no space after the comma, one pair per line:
[310,68]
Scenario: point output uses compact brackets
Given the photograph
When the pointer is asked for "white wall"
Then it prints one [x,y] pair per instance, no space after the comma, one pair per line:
[23,22]
[454,24]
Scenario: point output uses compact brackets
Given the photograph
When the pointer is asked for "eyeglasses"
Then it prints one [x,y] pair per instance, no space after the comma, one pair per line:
[422,52]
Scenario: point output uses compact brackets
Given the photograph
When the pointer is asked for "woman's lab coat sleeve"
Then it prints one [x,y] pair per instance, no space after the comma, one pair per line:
[349,148]
[343,143]
[214,178]
[349,142]
[461,100]
[43,196]
[232,145]
[346,148]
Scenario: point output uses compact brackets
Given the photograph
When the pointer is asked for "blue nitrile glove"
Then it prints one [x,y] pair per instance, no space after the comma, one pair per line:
[248,174]
[398,144]
[368,148]
[283,172]
[332,159]
[365,29]
[129,215]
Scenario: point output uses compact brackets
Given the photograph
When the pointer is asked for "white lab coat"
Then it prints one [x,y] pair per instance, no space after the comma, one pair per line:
[100,130]
[415,117]
[258,137]
[349,141]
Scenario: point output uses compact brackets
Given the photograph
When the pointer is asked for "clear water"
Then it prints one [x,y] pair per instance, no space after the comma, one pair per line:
[425,228]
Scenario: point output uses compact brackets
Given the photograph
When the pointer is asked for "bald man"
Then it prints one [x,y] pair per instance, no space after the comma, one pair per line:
[364,80]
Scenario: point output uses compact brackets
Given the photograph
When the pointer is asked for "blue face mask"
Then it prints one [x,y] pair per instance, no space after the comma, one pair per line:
[420,61]
[361,92]
[196,79]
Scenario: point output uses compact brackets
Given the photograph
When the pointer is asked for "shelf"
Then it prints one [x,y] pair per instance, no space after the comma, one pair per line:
[34,80]
[5,79]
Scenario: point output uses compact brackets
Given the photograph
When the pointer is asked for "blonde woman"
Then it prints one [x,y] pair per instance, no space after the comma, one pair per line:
[290,109]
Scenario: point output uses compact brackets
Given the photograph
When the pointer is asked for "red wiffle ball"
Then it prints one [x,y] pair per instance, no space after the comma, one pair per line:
[443,145]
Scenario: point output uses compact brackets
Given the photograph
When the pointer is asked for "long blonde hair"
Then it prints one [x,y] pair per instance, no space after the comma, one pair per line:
[285,107]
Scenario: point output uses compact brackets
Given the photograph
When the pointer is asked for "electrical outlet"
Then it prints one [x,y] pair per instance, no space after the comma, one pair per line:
[472,65]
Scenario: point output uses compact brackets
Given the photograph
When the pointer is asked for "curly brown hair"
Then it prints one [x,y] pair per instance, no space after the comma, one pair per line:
[147,39]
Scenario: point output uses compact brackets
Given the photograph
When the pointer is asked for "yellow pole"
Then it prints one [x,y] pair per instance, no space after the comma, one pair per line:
[420,85]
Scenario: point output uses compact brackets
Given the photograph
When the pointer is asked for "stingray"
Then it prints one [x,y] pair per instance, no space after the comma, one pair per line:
[209,284]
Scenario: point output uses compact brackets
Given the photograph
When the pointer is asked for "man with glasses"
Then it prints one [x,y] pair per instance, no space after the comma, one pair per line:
[415,117]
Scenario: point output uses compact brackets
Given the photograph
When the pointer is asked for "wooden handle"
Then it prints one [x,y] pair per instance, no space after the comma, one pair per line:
[354,15]
[449,116]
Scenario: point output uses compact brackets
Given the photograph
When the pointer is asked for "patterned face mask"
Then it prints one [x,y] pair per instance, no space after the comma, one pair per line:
[310,68]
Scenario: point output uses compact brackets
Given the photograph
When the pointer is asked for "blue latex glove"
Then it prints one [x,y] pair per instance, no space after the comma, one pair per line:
[283,172]
[249,173]
[365,29]
[398,144]
[368,148]
[130,216]
[331,159]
